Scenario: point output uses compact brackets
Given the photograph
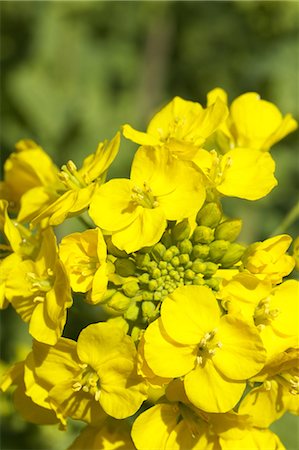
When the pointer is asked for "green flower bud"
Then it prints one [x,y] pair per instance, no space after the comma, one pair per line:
[158,250]
[153,285]
[136,334]
[142,260]
[174,274]
[146,295]
[202,235]
[198,266]
[175,261]
[189,274]
[125,267]
[185,246]
[181,231]
[209,215]
[212,283]
[162,265]
[198,280]
[157,295]
[156,273]
[233,255]
[229,230]
[132,312]
[175,251]
[149,310]
[144,278]
[119,302]
[184,258]
[130,288]
[218,249]
[200,251]
[211,268]
[168,255]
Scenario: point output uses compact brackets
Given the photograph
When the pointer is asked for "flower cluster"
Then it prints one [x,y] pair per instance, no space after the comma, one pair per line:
[197,344]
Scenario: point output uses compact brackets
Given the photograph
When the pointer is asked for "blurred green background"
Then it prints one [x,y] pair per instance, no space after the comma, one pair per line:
[73,72]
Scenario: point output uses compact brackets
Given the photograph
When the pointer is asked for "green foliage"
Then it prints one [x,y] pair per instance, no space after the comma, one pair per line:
[73,72]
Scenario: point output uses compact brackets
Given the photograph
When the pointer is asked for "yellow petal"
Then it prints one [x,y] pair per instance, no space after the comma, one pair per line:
[208,390]
[247,173]
[189,313]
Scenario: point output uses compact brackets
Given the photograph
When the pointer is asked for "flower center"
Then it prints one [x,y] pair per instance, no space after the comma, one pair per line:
[40,285]
[144,197]
[89,382]
[263,314]
[70,176]
[207,347]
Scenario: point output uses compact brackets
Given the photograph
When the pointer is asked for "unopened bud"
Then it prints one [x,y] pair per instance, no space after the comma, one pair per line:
[209,215]
[142,260]
[200,251]
[146,295]
[181,231]
[136,334]
[229,230]
[149,310]
[153,285]
[184,258]
[144,278]
[119,302]
[131,288]
[202,235]
[175,261]
[125,267]
[211,268]
[132,312]
[189,274]
[158,250]
[198,266]
[233,254]
[185,246]
[198,280]
[218,249]
[212,283]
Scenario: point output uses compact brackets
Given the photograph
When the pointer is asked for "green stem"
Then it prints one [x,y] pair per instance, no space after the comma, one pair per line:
[292,215]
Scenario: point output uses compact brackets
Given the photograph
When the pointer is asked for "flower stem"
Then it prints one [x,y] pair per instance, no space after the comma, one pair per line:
[290,218]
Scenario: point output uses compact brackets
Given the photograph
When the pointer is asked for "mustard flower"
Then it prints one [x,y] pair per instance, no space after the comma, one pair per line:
[39,291]
[84,257]
[136,210]
[91,377]
[181,126]
[253,123]
[193,340]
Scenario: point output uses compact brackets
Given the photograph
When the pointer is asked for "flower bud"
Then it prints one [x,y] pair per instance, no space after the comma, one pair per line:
[233,254]
[229,230]
[130,288]
[125,267]
[202,235]
[149,310]
[119,302]
[212,283]
[184,258]
[142,260]
[185,246]
[181,231]
[158,250]
[132,312]
[189,274]
[198,266]
[175,261]
[211,268]
[218,249]
[144,278]
[200,251]
[209,215]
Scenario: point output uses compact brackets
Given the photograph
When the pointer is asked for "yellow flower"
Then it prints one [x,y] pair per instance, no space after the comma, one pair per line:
[296,252]
[136,210]
[93,376]
[26,168]
[267,259]
[253,123]
[84,257]
[273,311]
[111,435]
[191,339]
[181,126]
[40,293]
[241,172]
[73,189]
[30,411]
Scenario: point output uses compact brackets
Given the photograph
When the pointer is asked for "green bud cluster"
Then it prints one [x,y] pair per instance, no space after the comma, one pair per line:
[182,257]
